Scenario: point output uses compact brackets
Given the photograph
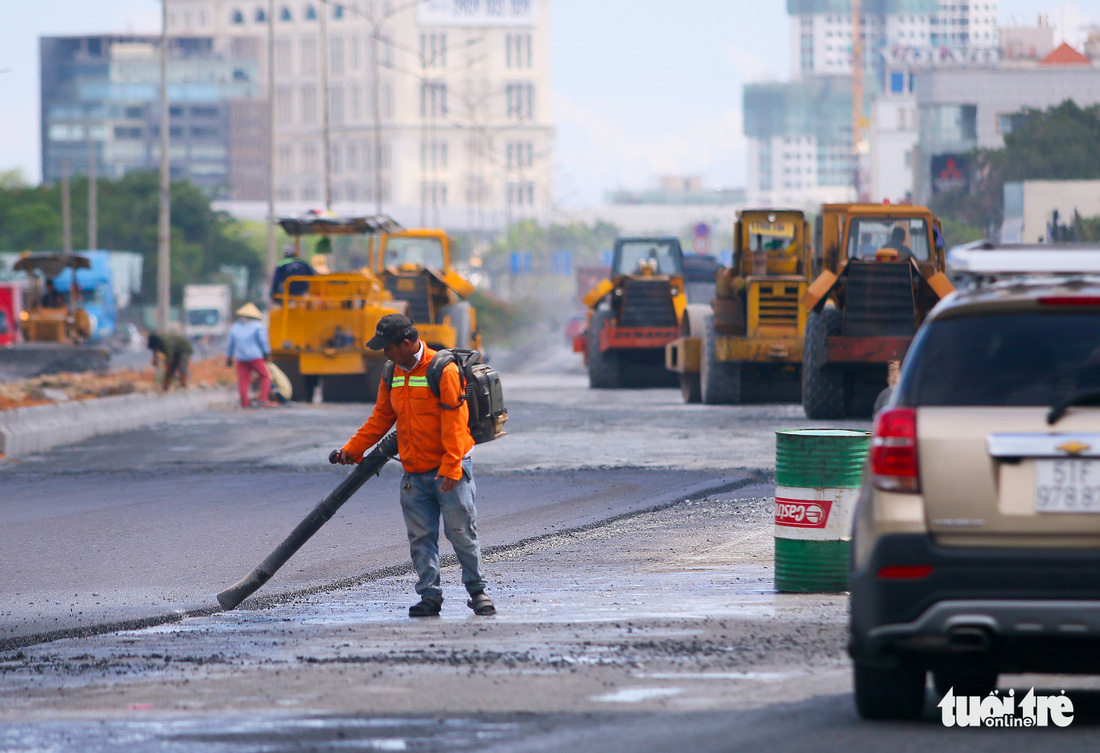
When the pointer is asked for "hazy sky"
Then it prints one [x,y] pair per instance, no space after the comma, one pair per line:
[640,87]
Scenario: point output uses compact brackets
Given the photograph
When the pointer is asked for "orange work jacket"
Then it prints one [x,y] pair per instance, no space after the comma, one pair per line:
[429,436]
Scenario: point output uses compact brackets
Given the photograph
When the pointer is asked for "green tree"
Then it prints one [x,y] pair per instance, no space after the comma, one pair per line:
[1060,143]
[202,240]
[12,179]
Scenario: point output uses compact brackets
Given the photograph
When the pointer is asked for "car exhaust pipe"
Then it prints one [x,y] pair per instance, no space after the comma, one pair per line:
[968,639]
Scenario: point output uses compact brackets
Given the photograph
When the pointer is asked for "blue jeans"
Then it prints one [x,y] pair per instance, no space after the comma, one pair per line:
[422,504]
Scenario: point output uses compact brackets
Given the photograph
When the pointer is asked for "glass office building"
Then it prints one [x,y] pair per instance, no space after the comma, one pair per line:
[101,100]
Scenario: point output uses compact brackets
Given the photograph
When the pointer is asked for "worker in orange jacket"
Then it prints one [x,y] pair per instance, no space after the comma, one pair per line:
[434,442]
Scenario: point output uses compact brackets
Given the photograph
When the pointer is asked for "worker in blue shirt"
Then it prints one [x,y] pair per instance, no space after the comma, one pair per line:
[290,266]
[248,345]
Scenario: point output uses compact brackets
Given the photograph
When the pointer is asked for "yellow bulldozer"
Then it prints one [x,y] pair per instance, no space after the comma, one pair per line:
[633,314]
[749,338]
[882,271]
[416,268]
[320,323]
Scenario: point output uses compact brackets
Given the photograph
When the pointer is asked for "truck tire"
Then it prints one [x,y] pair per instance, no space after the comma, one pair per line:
[822,387]
[349,388]
[604,369]
[460,320]
[299,391]
[375,367]
[896,693]
[719,381]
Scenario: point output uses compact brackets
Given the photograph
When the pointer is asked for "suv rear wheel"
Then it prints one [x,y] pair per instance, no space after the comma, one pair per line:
[975,678]
[896,693]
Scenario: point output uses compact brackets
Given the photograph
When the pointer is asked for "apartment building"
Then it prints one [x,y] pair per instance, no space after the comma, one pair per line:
[437,111]
[800,133]
[100,100]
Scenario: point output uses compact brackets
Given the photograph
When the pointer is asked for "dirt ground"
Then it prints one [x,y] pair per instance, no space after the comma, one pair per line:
[54,388]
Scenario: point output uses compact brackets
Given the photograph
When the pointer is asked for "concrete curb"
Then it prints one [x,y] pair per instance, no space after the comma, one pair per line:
[39,427]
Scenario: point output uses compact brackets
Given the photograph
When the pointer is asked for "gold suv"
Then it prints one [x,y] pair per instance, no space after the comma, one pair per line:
[976,543]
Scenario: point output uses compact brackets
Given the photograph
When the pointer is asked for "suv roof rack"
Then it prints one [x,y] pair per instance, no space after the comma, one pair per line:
[988,259]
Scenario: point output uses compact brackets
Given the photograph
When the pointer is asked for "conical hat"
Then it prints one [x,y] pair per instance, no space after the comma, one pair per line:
[250,310]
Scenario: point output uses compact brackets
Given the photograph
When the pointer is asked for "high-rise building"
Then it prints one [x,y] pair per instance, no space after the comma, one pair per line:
[800,134]
[438,111]
[101,100]
[963,109]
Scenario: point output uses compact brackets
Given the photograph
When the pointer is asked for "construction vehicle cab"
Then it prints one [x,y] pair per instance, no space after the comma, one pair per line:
[57,337]
[320,323]
[416,267]
[882,271]
[68,322]
[634,313]
[749,338]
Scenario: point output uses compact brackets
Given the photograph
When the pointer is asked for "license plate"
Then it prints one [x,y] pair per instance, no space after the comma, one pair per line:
[1067,486]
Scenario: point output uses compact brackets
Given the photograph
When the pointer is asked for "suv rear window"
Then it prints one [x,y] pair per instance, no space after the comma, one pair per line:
[1003,359]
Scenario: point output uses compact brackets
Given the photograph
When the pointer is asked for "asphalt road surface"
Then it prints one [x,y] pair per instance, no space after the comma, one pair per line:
[628,543]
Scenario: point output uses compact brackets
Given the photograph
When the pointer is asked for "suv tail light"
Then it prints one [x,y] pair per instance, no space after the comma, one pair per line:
[894,451]
[1070,300]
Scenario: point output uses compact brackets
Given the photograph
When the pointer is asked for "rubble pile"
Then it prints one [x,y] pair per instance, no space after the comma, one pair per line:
[56,388]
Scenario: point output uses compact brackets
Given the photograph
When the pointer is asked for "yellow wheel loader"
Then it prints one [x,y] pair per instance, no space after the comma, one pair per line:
[882,271]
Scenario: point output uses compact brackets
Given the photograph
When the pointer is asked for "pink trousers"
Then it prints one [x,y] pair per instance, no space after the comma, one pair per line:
[244,378]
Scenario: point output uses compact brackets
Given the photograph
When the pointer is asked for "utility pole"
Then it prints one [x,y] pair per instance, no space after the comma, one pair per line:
[93,208]
[66,210]
[433,102]
[164,256]
[857,99]
[376,23]
[325,137]
[376,42]
[271,251]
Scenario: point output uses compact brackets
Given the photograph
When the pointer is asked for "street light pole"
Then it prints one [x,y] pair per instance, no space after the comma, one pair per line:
[93,209]
[433,97]
[857,99]
[66,210]
[376,41]
[164,214]
[271,253]
[326,140]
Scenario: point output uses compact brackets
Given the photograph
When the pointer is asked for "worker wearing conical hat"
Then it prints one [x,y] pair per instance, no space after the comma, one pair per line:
[248,346]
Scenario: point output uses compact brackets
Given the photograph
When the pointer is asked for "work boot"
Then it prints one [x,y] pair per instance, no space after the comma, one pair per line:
[481,604]
[425,608]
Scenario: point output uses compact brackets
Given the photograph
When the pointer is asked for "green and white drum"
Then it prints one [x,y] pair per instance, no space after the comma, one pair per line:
[817,478]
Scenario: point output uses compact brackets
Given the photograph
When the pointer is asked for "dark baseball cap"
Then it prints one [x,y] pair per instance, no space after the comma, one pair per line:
[391,328]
